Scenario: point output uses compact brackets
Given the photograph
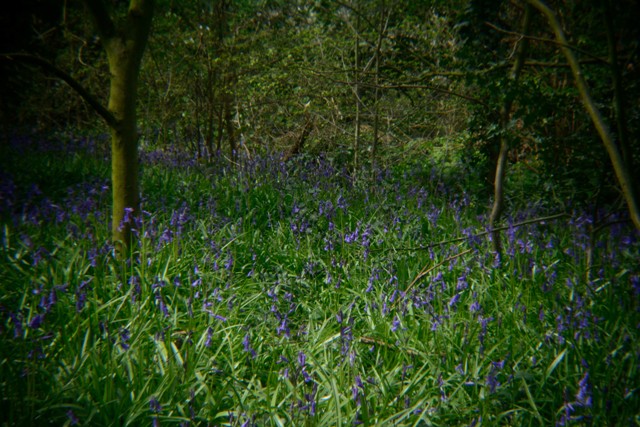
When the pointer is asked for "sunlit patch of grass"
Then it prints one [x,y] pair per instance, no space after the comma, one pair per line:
[294,294]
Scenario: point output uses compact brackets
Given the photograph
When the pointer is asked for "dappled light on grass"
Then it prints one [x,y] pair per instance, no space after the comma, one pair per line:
[290,294]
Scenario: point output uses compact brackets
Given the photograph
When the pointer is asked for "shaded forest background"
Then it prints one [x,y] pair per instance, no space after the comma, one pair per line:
[369,83]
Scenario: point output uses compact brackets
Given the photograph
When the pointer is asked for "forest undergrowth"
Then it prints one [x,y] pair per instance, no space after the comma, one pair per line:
[272,294]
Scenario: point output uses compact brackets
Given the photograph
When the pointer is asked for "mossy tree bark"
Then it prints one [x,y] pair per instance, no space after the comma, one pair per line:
[620,167]
[124,45]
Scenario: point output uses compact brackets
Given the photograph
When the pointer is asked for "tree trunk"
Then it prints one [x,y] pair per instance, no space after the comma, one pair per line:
[623,174]
[356,89]
[376,95]
[228,119]
[124,46]
[505,117]
[124,144]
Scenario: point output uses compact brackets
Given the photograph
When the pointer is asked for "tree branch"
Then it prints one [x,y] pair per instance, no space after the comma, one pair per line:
[435,89]
[563,45]
[473,236]
[48,67]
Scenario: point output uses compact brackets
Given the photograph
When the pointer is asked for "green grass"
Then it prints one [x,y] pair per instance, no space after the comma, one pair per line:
[274,294]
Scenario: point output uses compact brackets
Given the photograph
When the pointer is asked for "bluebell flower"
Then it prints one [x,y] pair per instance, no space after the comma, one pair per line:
[229,264]
[475,306]
[396,324]
[124,339]
[161,304]
[453,301]
[492,382]
[73,420]
[36,321]
[355,395]
[583,397]
[207,343]
[342,203]
[635,285]
[283,328]
[127,219]
[154,405]
[246,342]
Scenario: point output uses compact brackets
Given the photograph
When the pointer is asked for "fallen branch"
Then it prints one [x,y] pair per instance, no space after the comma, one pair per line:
[484,233]
[426,270]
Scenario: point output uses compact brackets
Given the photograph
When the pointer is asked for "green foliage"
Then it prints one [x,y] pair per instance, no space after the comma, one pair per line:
[287,294]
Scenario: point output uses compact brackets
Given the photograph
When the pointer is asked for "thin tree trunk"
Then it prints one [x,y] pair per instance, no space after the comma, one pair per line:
[376,117]
[356,89]
[124,47]
[211,102]
[220,128]
[623,174]
[505,116]
[228,118]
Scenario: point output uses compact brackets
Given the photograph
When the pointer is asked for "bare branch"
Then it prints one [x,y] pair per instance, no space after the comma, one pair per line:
[550,41]
[48,67]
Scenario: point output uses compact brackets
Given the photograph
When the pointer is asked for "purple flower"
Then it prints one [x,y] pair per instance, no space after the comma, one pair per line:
[52,299]
[218,317]
[475,422]
[283,328]
[126,219]
[492,382]
[359,382]
[355,395]
[161,303]
[246,342]
[435,323]
[499,364]
[165,237]
[37,321]
[583,397]
[17,324]
[635,285]
[229,264]
[462,282]
[73,420]
[396,324]
[134,282]
[124,339]
[283,359]
[207,343]
[342,203]
[154,405]
[352,237]
[453,301]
